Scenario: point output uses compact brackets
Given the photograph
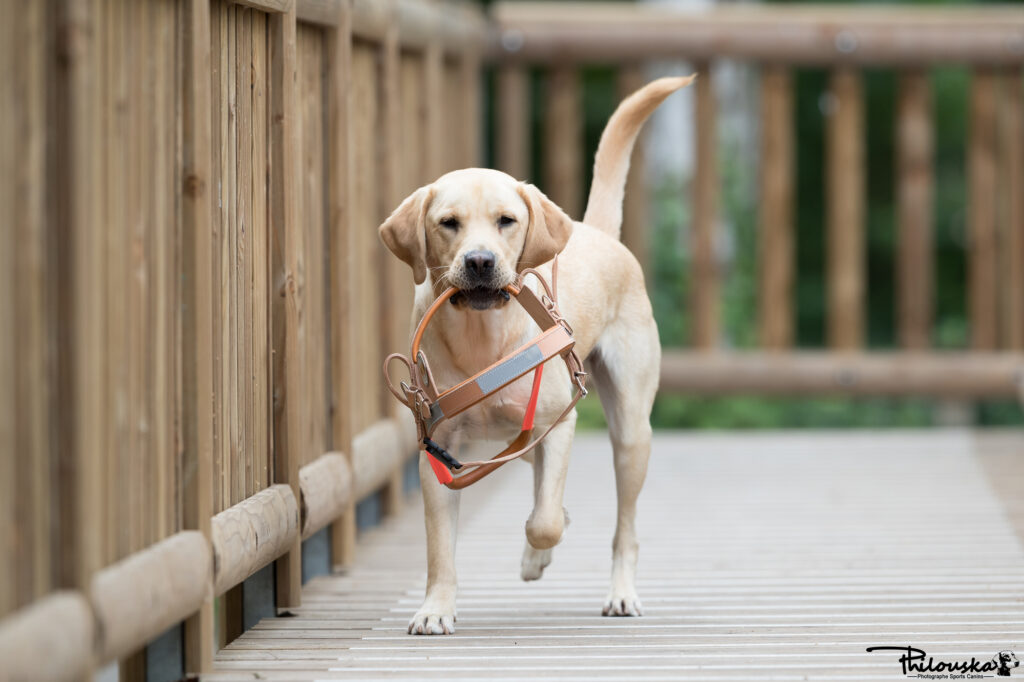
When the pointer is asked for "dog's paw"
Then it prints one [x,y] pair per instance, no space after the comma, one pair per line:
[436,616]
[429,621]
[534,562]
[622,605]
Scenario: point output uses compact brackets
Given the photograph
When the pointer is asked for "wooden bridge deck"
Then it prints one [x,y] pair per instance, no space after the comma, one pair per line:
[763,556]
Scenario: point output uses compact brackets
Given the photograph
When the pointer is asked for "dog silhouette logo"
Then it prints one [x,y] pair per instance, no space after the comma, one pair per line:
[1005,661]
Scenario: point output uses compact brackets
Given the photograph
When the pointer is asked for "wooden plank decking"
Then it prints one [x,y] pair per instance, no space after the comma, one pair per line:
[763,556]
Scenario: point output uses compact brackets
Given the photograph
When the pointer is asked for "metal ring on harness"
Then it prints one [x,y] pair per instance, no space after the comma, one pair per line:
[430,406]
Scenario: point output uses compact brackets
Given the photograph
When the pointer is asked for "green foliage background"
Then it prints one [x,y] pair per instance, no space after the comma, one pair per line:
[669,258]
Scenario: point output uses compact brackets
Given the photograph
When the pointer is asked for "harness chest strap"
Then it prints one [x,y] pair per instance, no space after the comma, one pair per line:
[430,408]
[551,342]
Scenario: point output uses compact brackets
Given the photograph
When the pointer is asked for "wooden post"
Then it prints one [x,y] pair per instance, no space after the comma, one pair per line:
[232,618]
[776,246]
[981,201]
[635,227]
[915,268]
[339,60]
[704,270]
[197,321]
[512,121]
[846,211]
[563,136]
[289,334]
[1011,159]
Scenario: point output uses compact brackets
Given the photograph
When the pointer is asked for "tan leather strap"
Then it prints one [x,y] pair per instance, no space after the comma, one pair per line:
[430,406]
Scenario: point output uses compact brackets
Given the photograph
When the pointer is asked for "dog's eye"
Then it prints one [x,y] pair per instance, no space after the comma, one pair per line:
[505,221]
[450,222]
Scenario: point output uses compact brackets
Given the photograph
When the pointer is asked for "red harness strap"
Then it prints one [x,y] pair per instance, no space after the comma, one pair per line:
[531,406]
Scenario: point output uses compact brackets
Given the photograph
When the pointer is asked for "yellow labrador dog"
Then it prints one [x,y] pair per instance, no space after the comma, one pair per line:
[475,229]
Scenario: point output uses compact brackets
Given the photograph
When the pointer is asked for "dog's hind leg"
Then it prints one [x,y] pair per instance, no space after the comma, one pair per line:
[625,370]
[549,519]
[441,510]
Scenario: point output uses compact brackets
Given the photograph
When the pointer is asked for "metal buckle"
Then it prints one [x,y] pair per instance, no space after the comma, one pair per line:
[556,314]
[579,378]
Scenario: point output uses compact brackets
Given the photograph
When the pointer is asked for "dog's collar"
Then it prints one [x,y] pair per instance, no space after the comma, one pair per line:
[430,406]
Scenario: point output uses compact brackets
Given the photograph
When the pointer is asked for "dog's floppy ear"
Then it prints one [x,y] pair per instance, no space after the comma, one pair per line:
[548,231]
[404,232]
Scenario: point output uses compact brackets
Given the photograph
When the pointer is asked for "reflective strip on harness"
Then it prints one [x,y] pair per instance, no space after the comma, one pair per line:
[516,366]
[554,341]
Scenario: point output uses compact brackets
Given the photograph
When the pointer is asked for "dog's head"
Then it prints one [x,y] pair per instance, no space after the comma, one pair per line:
[475,229]
[1006,660]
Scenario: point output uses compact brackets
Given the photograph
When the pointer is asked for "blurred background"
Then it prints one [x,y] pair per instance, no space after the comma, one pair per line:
[669,155]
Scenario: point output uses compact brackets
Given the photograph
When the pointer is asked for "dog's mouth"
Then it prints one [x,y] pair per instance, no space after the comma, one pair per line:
[480,298]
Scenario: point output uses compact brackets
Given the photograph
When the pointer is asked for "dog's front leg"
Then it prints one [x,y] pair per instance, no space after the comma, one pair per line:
[441,511]
[549,519]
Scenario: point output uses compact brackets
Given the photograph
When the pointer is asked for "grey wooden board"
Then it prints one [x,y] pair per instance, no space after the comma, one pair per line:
[762,556]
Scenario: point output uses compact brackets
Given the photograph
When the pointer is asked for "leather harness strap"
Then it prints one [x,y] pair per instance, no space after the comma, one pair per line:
[430,406]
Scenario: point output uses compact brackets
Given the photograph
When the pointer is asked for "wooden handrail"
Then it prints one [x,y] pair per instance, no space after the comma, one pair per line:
[959,375]
[796,34]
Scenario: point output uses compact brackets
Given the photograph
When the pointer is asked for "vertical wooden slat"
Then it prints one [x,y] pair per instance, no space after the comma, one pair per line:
[915,267]
[137,274]
[339,57]
[563,139]
[166,329]
[313,221]
[387,198]
[126,256]
[24,438]
[453,142]
[470,86]
[9,500]
[289,283]
[413,173]
[433,82]
[390,269]
[778,175]
[242,255]
[635,227]
[261,273]
[77,168]
[113,211]
[1011,173]
[366,296]
[197,304]
[29,291]
[512,120]
[229,274]
[217,228]
[10,130]
[845,200]
[981,217]
[704,279]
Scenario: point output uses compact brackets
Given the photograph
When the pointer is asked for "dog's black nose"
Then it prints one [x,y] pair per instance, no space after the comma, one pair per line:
[479,263]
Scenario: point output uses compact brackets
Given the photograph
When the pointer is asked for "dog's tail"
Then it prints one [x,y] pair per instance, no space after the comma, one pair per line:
[611,163]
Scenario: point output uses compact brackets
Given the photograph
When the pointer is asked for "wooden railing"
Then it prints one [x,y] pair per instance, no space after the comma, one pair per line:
[197,302]
[561,38]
